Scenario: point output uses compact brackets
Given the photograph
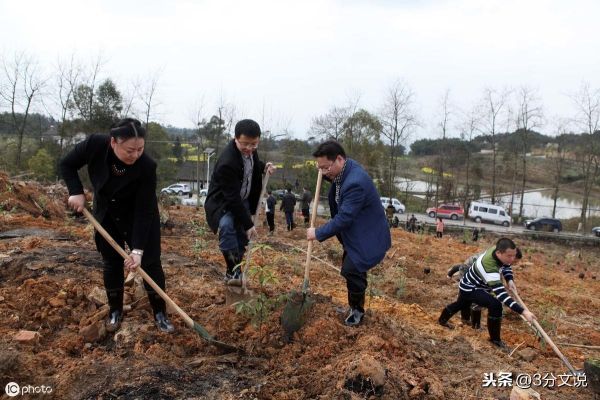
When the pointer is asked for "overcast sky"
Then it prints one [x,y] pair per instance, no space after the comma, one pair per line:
[285,62]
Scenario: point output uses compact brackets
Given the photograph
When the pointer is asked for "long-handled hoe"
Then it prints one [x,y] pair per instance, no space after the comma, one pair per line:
[536,326]
[203,333]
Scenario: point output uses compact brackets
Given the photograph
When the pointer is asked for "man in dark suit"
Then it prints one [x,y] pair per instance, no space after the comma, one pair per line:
[305,206]
[233,195]
[357,219]
[270,212]
[288,205]
[125,204]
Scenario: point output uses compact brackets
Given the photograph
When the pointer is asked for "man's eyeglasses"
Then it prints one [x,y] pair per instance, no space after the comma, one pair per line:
[246,145]
[326,169]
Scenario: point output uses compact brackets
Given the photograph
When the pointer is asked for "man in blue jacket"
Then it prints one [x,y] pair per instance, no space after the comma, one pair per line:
[357,219]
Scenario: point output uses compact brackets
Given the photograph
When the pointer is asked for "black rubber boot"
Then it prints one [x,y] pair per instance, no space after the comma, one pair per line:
[494,326]
[232,260]
[444,318]
[115,314]
[476,317]
[356,301]
[465,315]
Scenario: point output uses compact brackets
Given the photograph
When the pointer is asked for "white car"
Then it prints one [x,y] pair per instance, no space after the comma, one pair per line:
[399,207]
[486,212]
[596,231]
[177,188]
[203,192]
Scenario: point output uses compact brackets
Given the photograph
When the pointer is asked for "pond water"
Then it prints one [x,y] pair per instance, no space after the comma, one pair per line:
[535,204]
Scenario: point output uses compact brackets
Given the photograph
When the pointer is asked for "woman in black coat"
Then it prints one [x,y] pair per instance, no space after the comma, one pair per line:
[125,204]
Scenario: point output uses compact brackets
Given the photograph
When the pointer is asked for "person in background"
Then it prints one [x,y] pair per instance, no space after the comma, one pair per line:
[125,204]
[288,204]
[439,228]
[234,194]
[412,223]
[357,220]
[270,211]
[305,206]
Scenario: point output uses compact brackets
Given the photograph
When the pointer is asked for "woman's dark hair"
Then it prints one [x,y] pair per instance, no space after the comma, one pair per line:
[504,244]
[330,149]
[247,127]
[128,128]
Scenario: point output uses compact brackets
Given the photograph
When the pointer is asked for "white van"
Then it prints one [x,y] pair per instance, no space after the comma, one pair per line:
[399,207]
[486,212]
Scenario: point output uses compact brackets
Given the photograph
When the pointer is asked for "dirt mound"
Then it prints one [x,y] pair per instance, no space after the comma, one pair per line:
[399,352]
[32,198]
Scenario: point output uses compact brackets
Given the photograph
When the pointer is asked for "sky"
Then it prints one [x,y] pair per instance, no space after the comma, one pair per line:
[283,63]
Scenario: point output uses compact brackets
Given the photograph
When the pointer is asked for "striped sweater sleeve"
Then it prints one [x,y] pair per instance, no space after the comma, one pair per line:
[507,272]
[491,276]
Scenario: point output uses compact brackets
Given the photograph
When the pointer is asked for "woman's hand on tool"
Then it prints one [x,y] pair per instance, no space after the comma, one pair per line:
[310,234]
[528,315]
[133,261]
[76,202]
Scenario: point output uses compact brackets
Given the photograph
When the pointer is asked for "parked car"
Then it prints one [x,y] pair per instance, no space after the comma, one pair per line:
[203,192]
[596,231]
[486,212]
[280,192]
[544,224]
[451,211]
[177,188]
[398,206]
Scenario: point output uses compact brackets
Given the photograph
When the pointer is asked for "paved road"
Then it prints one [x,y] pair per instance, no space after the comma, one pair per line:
[468,223]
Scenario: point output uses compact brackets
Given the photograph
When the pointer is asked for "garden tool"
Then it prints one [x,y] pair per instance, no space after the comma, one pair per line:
[236,289]
[299,303]
[537,327]
[202,332]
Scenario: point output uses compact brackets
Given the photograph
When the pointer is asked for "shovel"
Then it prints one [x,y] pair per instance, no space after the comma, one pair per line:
[541,331]
[299,303]
[235,293]
[188,321]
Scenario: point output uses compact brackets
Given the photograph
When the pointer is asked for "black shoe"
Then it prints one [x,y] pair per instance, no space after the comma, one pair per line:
[499,343]
[476,318]
[113,322]
[163,323]
[354,318]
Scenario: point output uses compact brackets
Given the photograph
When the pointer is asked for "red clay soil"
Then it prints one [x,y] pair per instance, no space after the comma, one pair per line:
[399,352]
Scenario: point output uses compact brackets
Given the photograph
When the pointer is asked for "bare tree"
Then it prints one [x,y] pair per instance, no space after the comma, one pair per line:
[330,125]
[492,106]
[67,78]
[91,80]
[558,154]
[443,125]
[398,119]
[348,126]
[587,117]
[529,116]
[146,93]
[470,122]
[23,84]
